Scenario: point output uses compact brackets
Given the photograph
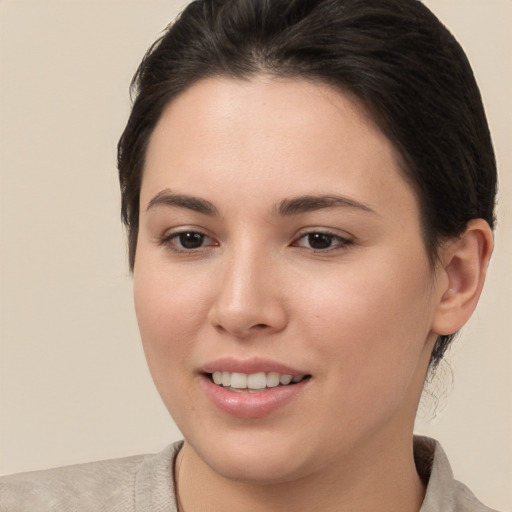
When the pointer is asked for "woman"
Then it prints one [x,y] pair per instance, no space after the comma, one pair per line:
[309,192]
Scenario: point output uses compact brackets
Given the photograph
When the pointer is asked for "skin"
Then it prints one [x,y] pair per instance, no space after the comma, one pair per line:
[360,315]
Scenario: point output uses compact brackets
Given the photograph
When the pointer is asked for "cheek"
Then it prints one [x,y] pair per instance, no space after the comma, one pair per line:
[370,340]
[169,306]
[370,320]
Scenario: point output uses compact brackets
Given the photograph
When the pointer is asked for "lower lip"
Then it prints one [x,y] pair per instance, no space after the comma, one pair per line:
[251,405]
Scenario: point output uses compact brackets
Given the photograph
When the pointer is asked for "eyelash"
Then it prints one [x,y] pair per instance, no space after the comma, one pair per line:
[341,243]
[169,241]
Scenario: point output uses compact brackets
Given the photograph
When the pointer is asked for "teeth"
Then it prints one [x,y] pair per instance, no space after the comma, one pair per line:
[254,381]
[239,380]
[285,379]
[257,381]
[272,380]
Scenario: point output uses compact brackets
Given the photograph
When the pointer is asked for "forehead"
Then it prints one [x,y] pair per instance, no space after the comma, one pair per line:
[262,105]
[268,136]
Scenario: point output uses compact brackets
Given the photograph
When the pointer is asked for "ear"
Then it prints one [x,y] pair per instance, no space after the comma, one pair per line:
[463,267]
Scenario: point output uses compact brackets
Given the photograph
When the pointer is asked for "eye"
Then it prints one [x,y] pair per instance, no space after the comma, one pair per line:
[321,241]
[187,241]
[190,239]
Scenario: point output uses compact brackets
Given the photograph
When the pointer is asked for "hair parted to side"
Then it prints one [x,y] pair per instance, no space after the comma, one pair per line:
[394,55]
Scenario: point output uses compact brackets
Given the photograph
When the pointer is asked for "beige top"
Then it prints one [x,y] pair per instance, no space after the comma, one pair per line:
[144,483]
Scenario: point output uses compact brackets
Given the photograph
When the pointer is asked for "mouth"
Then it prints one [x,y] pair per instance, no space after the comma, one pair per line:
[254,382]
[252,388]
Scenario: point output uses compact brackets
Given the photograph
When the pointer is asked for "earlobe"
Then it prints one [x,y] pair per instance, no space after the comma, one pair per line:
[464,264]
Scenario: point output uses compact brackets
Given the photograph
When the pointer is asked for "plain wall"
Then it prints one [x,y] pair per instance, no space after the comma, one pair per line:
[73,381]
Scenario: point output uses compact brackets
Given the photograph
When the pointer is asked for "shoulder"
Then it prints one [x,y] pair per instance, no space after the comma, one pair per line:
[443,491]
[466,500]
[109,485]
[79,487]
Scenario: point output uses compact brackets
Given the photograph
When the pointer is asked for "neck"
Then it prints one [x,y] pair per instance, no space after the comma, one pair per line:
[382,479]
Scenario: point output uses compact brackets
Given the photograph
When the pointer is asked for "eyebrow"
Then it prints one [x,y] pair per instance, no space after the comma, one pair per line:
[168,198]
[309,203]
[285,208]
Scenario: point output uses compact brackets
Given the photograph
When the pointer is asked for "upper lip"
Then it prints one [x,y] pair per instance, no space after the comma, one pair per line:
[249,366]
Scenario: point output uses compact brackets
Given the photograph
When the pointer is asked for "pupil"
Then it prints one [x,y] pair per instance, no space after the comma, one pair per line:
[191,240]
[319,240]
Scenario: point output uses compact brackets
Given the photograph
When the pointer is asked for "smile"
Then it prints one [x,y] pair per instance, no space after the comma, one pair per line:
[254,382]
[252,388]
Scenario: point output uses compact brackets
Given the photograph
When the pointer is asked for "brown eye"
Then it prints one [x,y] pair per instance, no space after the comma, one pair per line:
[320,240]
[190,240]
[187,241]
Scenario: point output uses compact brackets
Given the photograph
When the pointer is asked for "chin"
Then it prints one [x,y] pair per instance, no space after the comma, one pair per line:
[258,459]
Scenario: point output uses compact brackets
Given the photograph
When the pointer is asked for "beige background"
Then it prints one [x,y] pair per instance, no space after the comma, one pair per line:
[73,384]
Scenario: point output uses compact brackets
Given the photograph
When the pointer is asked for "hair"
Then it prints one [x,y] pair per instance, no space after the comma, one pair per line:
[395,56]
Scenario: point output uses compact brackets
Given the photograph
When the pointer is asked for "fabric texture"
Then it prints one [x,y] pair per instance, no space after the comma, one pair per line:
[145,483]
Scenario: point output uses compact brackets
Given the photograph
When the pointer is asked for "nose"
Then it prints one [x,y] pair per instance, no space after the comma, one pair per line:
[249,297]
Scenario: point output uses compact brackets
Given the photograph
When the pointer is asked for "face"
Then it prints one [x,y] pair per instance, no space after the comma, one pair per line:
[278,240]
